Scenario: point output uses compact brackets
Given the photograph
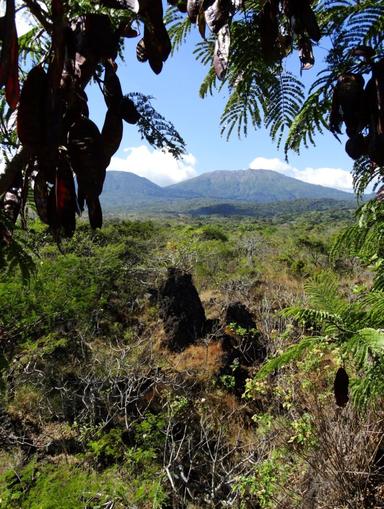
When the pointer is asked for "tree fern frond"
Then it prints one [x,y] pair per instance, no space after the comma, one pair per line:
[323,293]
[285,99]
[308,122]
[159,132]
[310,316]
[291,354]
[204,51]
[364,172]
[367,388]
[374,301]
[242,109]
[365,345]
[178,27]
[209,83]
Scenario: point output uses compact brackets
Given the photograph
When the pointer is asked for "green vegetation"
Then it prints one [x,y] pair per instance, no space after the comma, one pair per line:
[96,412]
[283,410]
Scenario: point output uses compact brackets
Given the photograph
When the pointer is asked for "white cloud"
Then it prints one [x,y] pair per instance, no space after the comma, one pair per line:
[273,163]
[329,177]
[158,166]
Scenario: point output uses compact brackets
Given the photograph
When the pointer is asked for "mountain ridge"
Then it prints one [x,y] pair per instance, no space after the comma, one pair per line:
[255,185]
[132,192]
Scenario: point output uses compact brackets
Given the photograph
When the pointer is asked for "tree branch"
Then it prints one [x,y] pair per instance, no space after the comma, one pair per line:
[39,14]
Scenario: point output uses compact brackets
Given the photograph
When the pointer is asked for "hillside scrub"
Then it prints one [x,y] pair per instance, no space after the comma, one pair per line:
[96,411]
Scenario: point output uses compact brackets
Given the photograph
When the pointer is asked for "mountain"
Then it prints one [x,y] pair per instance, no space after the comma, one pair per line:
[260,186]
[123,188]
[233,191]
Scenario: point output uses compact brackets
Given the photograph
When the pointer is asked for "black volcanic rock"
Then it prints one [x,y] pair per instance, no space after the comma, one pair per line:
[181,310]
[239,314]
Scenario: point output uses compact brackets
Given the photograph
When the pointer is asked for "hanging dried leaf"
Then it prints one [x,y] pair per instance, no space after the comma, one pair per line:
[141,51]
[65,197]
[111,134]
[306,54]
[302,18]
[95,213]
[156,39]
[348,104]
[32,110]
[218,14]
[221,53]
[201,23]
[193,9]
[340,387]
[128,111]
[86,155]
[101,40]
[9,70]
[269,31]
[113,94]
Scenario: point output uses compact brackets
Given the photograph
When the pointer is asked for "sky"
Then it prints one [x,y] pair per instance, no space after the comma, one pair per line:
[176,96]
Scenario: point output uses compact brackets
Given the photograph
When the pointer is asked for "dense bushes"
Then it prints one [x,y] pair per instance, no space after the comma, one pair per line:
[96,412]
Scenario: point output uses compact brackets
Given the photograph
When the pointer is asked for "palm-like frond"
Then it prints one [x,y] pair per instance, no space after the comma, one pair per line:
[364,172]
[178,27]
[285,99]
[291,354]
[159,132]
[242,109]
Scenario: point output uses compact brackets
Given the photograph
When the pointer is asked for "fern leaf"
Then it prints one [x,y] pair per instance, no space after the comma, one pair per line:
[290,355]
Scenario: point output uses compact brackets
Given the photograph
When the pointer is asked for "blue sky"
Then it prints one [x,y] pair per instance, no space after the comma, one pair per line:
[176,96]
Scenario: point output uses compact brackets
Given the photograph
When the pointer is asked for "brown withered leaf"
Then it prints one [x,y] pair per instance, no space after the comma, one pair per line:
[348,102]
[101,40]
[201,23]
[112,87]
[128,111]
[193,9]
[111,133]
[221,52]
[269,31]
[95,213]
[65,197]
[218,14]
[340,387]
[9,59]
[141,51]
[86,156]
[32,111]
